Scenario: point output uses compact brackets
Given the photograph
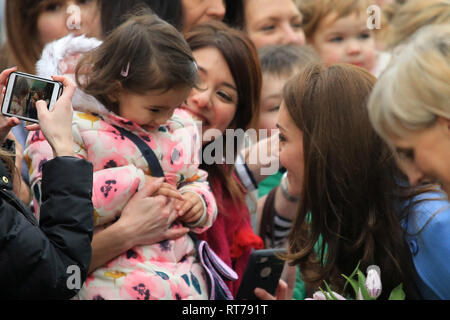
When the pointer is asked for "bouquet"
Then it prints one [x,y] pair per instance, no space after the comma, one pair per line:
[365,288]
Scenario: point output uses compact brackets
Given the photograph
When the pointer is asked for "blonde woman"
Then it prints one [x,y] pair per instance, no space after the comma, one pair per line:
[403,20]
[410,106]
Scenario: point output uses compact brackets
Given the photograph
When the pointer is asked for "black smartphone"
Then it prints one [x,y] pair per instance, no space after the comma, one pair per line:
[24,90]
[263,270]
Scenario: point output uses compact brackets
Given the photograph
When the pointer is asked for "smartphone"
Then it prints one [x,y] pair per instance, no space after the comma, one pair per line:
[24,90]
[263,270]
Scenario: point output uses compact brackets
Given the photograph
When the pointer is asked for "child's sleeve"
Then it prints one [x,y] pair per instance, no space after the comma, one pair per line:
[112,187]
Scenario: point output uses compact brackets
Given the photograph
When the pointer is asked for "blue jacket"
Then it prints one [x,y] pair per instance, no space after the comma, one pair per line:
[428,236]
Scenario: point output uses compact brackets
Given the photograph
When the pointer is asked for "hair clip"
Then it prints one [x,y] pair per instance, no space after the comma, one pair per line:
[124,72]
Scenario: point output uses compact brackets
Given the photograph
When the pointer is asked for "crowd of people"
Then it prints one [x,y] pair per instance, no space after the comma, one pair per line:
[129,171]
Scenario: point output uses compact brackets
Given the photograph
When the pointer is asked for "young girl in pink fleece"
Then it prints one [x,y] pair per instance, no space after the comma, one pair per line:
[135,80]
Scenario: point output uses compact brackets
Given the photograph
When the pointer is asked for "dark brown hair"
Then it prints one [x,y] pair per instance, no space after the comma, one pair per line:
[154,53]
[242,59]
[350,186]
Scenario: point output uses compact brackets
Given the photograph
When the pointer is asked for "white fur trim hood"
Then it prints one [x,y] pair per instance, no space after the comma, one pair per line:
[55,53]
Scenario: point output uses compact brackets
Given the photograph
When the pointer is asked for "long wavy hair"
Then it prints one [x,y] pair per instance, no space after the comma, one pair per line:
[351,193]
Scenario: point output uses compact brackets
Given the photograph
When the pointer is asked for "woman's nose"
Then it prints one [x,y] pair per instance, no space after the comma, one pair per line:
[415,176]
[216,9]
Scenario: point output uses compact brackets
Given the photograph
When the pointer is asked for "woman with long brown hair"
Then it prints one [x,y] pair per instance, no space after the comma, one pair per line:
[355,204]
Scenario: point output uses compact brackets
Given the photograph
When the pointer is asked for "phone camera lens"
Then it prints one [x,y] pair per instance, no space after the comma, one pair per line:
[265,272]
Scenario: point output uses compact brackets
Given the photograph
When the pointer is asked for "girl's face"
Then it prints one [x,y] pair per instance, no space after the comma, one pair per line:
[291,150]
[345,40]
[216,100]
[151,110]
[271,96]
[61,17]
[424,155]
[199,11]
[270,22]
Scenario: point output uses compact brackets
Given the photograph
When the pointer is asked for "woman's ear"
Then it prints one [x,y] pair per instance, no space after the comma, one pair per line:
[445,125]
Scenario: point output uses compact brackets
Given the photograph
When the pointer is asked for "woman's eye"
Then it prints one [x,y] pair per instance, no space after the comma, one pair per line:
[274,109]
[224,96]
[281,138]
[407,155]
[268,28]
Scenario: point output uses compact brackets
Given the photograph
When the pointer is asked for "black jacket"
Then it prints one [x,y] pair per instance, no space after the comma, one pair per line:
[49,260]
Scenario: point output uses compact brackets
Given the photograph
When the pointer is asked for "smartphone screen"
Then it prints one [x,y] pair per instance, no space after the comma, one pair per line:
[24,91]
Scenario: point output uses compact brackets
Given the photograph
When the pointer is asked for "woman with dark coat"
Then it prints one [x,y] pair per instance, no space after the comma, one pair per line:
[49,260]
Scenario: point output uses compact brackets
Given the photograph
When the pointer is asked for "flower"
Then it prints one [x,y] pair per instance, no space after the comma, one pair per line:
[365,288]
[319,295]
[373,281]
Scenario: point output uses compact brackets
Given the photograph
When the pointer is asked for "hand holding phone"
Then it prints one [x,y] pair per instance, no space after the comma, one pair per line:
[56,124]
[6,123]
[263,270]
[24,90]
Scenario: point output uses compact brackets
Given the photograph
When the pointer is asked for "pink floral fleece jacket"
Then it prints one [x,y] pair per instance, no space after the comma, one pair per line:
[166,270]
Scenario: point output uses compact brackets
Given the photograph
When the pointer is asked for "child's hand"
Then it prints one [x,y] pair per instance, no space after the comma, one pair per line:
[166,189]
[191,209]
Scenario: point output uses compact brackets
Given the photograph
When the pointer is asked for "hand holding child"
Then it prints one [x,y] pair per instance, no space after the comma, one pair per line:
[165,189]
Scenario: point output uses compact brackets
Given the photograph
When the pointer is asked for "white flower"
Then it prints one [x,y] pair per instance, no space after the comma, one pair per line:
[373,281]
[318,295]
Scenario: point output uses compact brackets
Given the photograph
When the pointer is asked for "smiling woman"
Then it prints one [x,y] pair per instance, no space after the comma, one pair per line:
[409,107]
[267,22]
[354,205]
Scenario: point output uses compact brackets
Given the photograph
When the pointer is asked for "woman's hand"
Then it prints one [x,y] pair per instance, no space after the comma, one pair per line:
[148,218]
[145,220]
[6,123]
[166,189]
[56,125]
[280,293]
